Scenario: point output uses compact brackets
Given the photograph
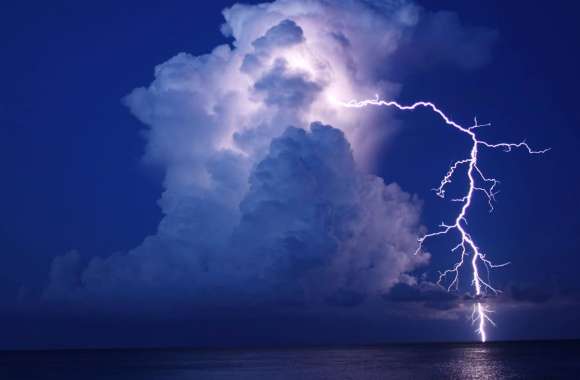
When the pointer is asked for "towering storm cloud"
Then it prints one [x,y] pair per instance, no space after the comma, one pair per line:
[268,195]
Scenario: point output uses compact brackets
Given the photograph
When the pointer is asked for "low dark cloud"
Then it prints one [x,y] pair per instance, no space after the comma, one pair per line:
[522,293]
[424,298]
[425,294]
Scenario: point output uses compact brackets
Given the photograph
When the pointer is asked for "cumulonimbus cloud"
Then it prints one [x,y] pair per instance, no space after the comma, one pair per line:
[262,202]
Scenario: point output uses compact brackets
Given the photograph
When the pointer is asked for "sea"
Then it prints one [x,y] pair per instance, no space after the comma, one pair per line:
[508,360]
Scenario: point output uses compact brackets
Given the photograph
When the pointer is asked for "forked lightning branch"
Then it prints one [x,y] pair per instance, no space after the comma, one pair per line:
[469,253]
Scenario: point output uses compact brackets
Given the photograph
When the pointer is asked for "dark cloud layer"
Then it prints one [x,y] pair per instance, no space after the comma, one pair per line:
[428,295]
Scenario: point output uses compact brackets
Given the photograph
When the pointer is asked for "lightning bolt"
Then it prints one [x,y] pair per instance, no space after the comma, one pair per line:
[477,182]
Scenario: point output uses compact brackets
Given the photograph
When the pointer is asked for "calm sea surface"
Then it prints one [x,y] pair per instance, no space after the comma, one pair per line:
[523,360]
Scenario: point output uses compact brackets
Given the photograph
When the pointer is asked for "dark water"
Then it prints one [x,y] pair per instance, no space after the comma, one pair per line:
[523,360]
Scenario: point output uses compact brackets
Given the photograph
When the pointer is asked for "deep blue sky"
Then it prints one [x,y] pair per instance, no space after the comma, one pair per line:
[70,151]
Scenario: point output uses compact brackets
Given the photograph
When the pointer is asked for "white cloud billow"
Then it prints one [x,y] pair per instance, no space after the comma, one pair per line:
[260,201]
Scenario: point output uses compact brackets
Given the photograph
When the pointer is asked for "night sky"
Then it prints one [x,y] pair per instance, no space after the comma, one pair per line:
[83,176]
